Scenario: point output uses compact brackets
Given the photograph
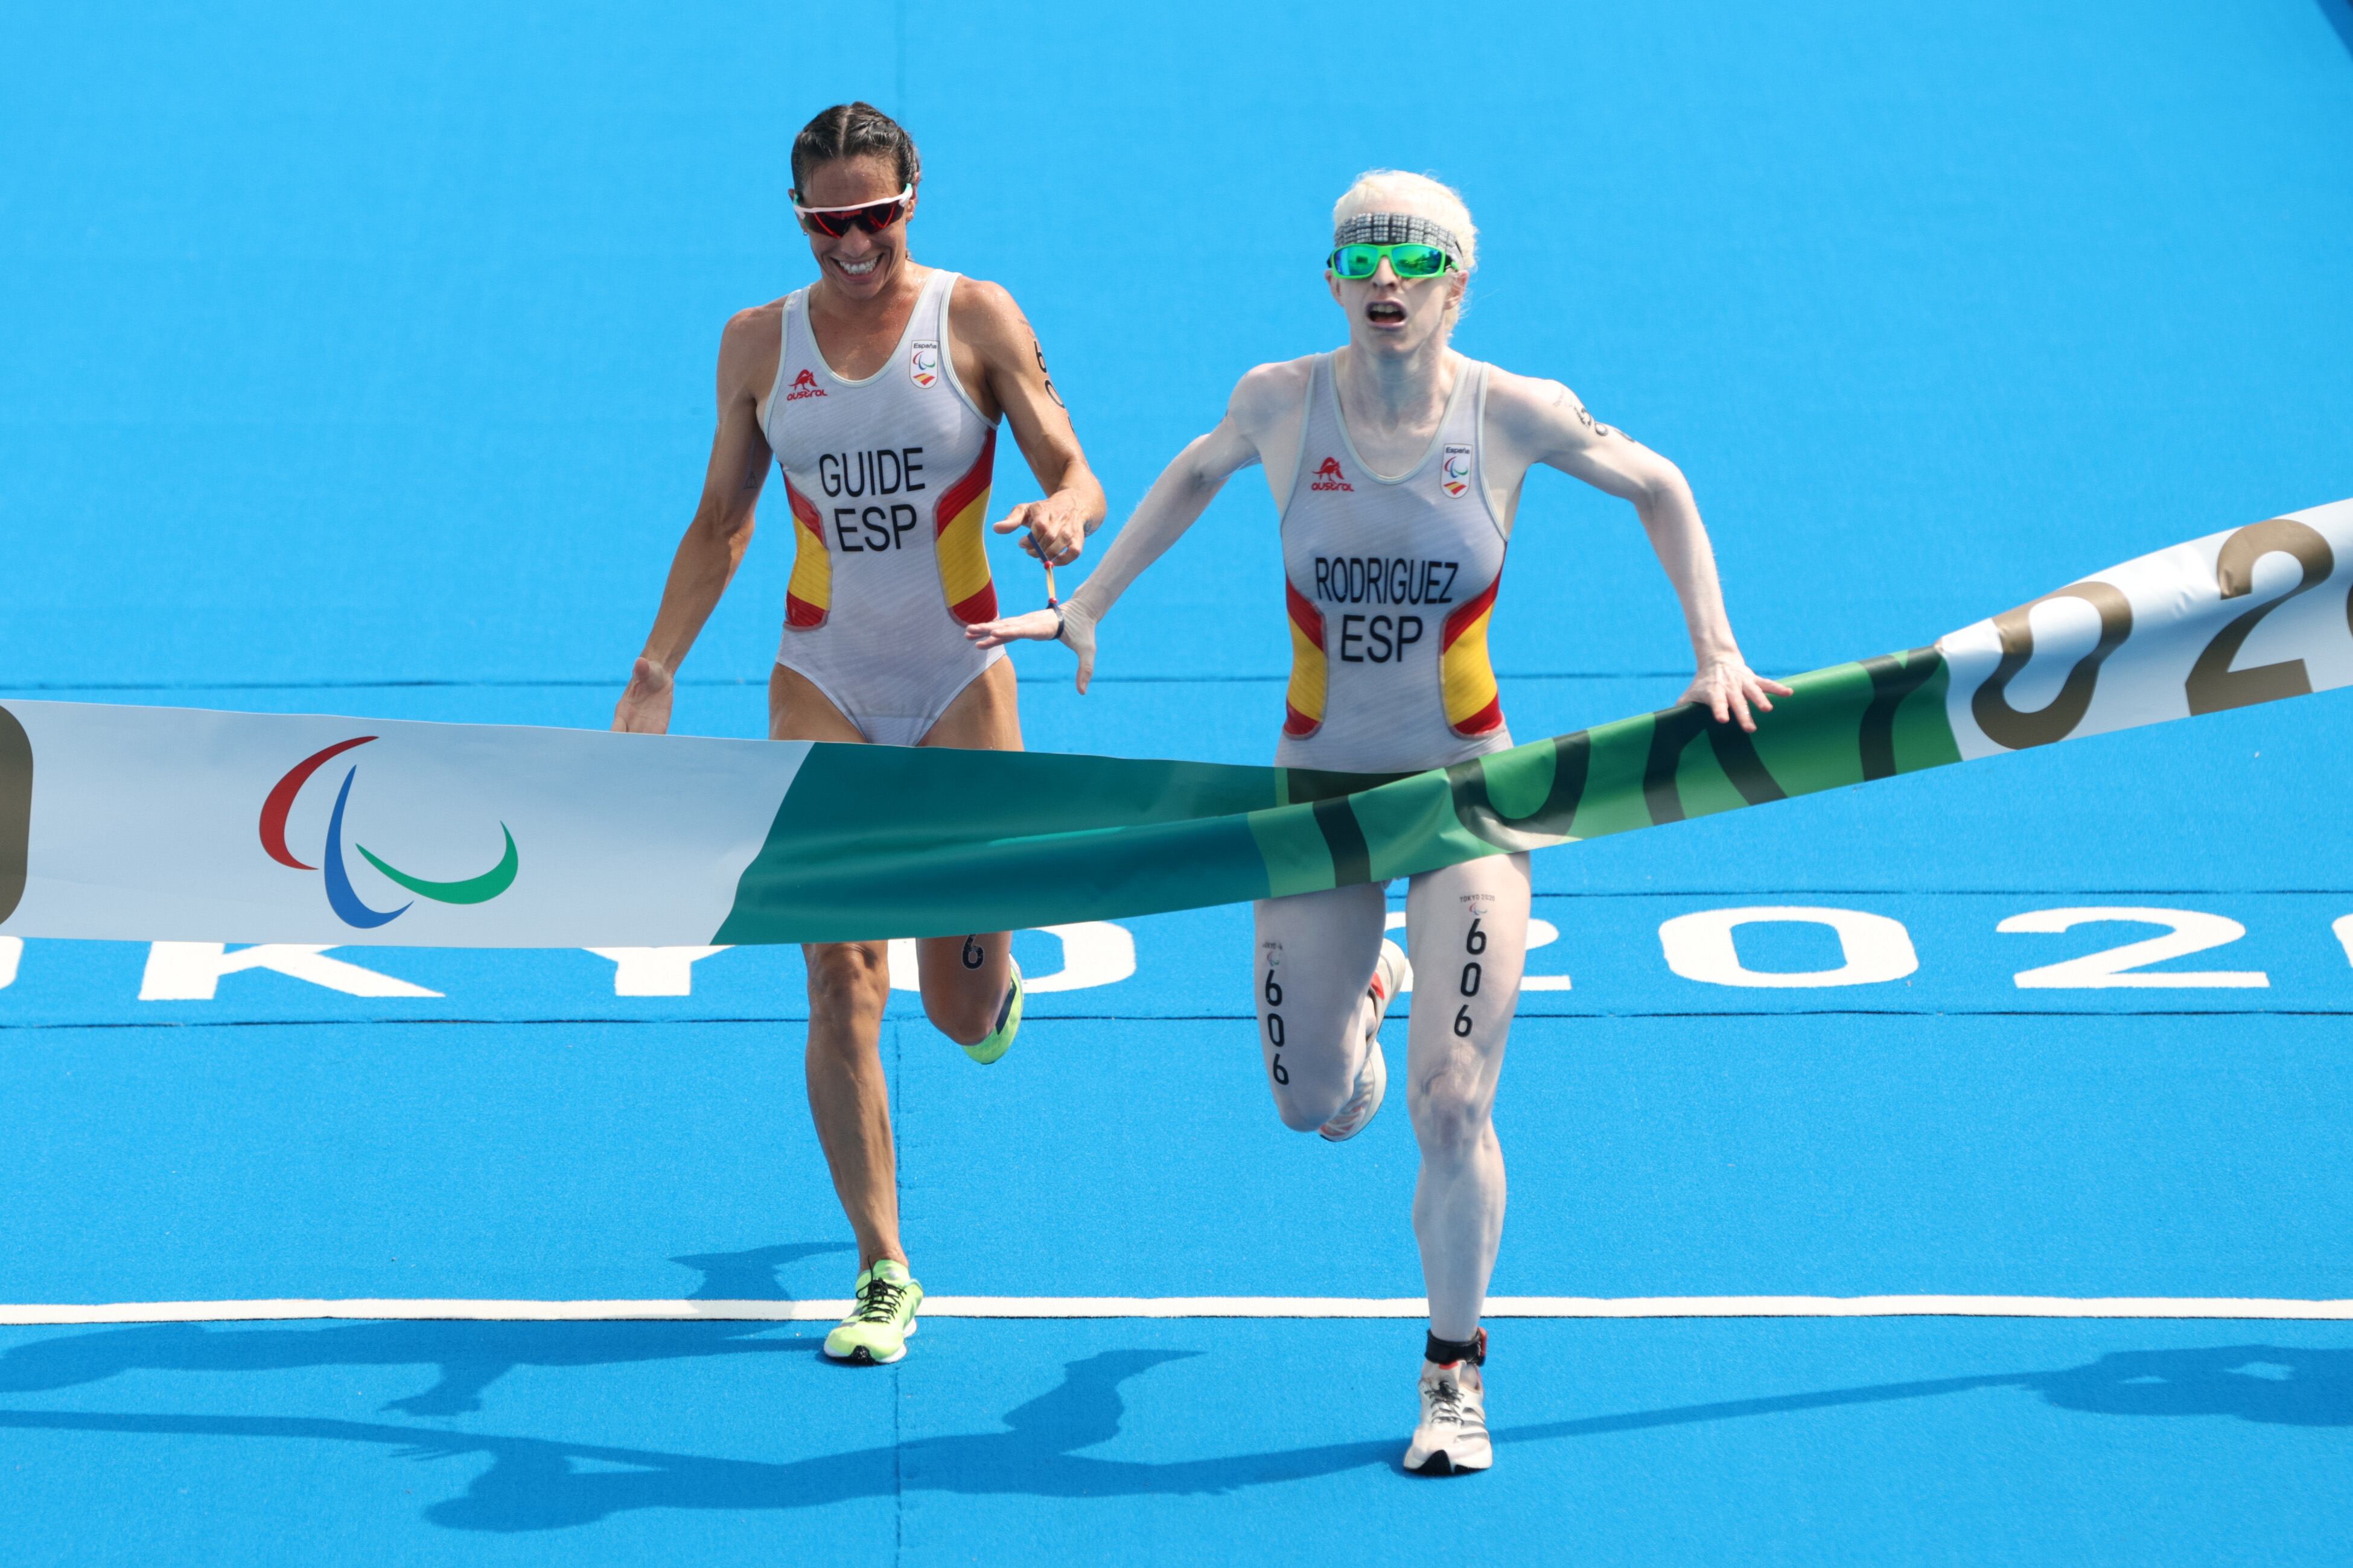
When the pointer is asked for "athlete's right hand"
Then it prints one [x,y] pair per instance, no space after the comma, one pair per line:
[644,707]
[1069,623]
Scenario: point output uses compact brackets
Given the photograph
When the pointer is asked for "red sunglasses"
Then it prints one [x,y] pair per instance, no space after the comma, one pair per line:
[872,217]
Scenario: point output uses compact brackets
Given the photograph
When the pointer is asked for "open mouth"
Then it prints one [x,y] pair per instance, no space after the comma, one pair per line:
[1385,314]
[859,268]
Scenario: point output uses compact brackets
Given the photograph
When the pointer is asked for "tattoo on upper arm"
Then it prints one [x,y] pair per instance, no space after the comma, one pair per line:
[1561,394]
[1039,350]
[755,471]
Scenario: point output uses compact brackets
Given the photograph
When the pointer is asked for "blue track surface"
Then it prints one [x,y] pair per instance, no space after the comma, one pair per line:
[358,361]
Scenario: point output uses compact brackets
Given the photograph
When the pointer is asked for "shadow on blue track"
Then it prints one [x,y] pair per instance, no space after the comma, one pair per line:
[532,1484]
[752,1276]
[2264,1384]
[471,1356]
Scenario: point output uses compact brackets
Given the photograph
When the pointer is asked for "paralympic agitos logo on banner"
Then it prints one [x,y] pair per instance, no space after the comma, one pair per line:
[341,896]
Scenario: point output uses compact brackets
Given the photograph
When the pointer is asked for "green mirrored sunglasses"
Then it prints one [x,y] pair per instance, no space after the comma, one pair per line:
[1360,261]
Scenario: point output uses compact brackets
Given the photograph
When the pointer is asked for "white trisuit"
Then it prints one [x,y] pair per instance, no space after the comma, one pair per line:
[888,478]
[1391,582]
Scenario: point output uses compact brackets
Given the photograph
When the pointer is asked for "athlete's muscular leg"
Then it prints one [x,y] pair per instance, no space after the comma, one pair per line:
[1468,928]
[848,983]
[1313,960]
[849,1099]
[964,976]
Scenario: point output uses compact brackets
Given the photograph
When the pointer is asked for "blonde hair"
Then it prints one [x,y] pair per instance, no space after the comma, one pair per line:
[1396,191]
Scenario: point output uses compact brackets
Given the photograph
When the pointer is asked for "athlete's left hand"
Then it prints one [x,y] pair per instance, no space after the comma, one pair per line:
[1727,687]
[1070,625]
[1057,525]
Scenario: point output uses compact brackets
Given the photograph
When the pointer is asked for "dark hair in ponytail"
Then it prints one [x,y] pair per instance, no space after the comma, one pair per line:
[854,130]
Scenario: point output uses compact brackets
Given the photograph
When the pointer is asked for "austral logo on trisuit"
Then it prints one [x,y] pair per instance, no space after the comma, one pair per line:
[341,896]
[805,386]
[1329,478]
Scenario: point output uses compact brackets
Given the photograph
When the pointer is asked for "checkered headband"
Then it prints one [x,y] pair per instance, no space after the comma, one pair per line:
[1396,228]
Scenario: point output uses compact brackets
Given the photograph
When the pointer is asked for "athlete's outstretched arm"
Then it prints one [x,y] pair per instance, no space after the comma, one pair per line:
[986,317]
[715,540]
[1545,420]
[1177,498]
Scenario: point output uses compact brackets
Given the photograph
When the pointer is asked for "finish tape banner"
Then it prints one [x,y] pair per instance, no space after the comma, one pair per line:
[165,824]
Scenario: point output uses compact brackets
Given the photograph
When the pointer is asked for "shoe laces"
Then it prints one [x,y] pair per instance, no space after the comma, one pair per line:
[878,1300]
[1445,1396]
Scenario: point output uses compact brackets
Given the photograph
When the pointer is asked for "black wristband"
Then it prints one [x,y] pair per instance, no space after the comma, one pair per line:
[1446,1352]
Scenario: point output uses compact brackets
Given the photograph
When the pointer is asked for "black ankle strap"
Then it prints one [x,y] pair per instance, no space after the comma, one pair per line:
[1446,1352]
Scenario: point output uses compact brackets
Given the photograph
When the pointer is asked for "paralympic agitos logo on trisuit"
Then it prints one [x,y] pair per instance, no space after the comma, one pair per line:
[1454,470]
[341,896]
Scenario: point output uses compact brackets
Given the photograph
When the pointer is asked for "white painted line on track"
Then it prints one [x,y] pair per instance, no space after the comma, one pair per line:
[477,1311]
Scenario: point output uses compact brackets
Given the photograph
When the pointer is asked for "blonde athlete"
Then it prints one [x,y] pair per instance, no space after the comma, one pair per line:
[1398,464]
[877,389]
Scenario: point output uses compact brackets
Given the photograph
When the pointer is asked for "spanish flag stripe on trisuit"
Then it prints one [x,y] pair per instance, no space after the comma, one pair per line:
[1302,707]
[808,595]
[1474,705]
[959,535]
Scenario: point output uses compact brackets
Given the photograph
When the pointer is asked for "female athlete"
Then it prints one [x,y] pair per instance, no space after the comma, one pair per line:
[1397,464]
[877,390]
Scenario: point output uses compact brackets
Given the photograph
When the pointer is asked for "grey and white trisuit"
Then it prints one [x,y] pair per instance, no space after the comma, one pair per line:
[1391,581]
[888,478]
[1391,584]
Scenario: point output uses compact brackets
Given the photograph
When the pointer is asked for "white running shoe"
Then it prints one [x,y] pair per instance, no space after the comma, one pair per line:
[1390,975]
[1452,1436]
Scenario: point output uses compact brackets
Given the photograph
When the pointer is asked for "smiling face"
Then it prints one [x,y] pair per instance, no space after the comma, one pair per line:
[862,265]
[1393,315]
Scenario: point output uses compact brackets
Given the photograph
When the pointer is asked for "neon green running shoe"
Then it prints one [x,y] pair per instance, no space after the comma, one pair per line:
[879,1326]
[1008,1020]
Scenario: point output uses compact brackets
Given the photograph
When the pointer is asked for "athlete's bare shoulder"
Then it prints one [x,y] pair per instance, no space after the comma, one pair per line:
[999,358]
[1535,408]
[985,314]
[749,347]
[1539,414]
[1262,422]
[754,321]
[1270,394]
[987,323]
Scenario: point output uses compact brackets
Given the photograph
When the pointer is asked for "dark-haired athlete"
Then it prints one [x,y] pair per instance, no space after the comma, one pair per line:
[1398,464]
[877,390]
